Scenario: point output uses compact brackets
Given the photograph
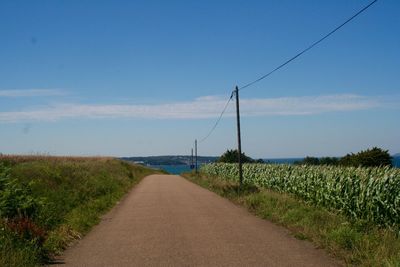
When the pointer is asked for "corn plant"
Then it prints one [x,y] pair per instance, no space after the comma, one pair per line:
[371,194]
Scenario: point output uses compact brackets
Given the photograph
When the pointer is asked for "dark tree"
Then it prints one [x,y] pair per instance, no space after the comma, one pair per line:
[373,157]
[349,160]
[308,161]
[311,161]
[328,161]
[231,156]
[318,161]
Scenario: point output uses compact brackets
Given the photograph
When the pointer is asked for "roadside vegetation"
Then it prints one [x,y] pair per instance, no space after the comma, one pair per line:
[352,212]
[373,157]
[47,202]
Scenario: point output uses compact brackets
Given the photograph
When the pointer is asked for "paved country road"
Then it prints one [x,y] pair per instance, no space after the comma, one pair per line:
[168,221]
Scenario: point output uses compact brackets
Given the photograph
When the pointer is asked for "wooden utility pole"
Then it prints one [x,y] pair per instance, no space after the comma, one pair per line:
[238,137]
[195,152]
[191,161]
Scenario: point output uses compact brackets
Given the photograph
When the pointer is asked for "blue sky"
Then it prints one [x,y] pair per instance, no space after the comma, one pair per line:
[126,78]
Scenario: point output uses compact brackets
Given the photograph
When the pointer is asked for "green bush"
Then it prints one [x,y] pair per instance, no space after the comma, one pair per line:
[231,156]
[16,200]
[374,157]
[47,202]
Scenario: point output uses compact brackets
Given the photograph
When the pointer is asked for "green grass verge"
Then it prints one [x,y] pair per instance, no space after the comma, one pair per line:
[355,243]
[46,203]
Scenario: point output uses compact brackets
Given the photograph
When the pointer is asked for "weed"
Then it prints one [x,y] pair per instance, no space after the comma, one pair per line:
[46,202]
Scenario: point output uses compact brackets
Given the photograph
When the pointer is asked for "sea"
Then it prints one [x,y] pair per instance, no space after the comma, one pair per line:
[172,169]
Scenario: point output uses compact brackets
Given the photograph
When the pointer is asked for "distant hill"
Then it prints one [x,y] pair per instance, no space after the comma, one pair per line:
[169,160]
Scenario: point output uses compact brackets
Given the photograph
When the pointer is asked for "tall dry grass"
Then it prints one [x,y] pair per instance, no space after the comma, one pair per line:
[49,158]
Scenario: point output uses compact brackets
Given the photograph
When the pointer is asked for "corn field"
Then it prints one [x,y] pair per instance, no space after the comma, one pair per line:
[371,194]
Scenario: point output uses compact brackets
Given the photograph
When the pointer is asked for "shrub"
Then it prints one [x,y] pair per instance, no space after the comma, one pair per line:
[231,156]
[374,157]
[16,200]
[46,202]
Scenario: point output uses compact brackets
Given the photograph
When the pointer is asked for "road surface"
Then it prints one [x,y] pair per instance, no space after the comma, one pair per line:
[168,221]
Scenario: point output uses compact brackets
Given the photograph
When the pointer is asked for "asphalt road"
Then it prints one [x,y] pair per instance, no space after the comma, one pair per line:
[168,221]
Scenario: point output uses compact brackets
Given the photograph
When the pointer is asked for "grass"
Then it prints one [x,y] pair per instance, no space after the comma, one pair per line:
[47,202]
[354,243]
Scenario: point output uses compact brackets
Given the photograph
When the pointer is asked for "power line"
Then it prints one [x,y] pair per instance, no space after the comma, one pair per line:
[310,47]
[218,120]
[284,64]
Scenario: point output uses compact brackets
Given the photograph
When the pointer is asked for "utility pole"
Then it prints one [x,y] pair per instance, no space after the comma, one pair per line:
[238,137]
[191,161]
[195,152]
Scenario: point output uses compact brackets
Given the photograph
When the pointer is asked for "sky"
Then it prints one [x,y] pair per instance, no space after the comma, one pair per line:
[140,78]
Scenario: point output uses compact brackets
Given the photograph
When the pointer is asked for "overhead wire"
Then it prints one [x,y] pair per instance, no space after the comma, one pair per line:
[218,120]
[284,64]
[308,48]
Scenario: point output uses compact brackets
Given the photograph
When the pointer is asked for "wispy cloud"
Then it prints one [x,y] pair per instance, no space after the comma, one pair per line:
[200,108]
[31,92]
[309,105]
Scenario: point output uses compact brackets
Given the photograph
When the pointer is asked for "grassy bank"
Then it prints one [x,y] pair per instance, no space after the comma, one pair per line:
[47,202]
[355,242]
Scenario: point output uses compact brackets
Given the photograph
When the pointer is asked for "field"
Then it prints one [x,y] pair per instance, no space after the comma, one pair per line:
[351,212]
[47,202]
[371,194]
